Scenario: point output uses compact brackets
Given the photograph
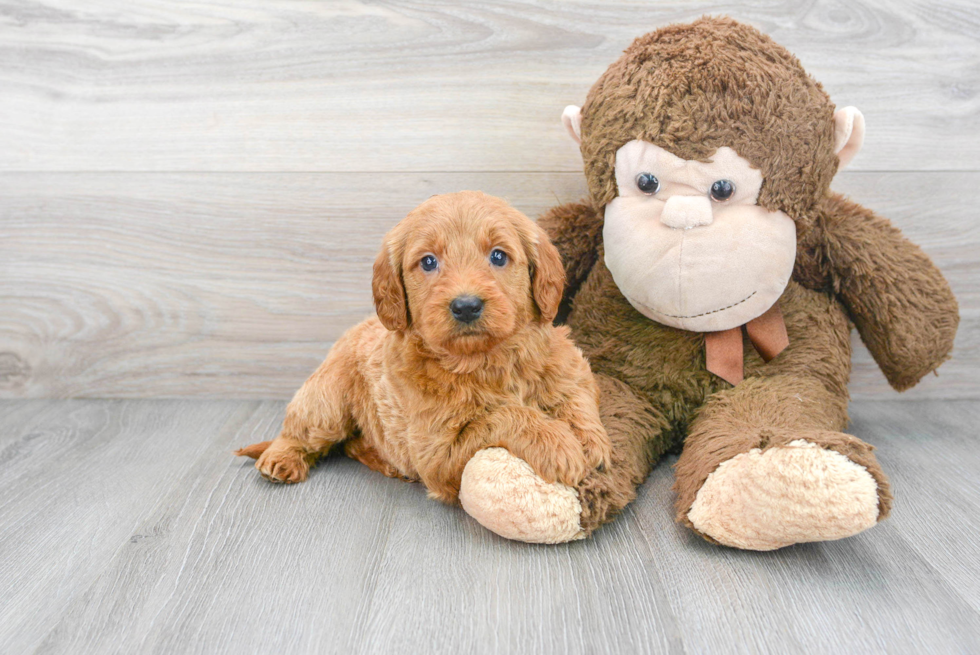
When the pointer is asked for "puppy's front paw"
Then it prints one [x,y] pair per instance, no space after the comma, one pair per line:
[283,465]
[598,451]
[556,455]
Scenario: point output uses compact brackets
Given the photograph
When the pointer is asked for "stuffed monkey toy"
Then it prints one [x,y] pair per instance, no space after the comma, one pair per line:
[713,279]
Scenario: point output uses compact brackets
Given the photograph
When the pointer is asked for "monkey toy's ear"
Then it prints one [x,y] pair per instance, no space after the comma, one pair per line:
[848,134]
[572,119]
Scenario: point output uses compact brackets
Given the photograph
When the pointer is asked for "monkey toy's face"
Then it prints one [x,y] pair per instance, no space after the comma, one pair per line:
[686,240]
[687,243]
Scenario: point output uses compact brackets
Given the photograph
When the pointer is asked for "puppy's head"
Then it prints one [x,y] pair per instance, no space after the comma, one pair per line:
[466,271]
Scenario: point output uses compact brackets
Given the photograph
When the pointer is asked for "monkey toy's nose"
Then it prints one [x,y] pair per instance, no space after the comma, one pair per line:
[685,212]
[466,309]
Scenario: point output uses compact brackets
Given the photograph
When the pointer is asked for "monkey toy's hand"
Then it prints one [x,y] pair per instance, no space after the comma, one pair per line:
[576,230]
[901,304]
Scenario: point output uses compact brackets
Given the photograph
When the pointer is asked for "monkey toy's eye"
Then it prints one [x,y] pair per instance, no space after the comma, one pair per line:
[429,263]
[722,190]
[647,183]
[498,257]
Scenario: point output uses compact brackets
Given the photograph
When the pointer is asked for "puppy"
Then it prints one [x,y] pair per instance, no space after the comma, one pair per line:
[461,356]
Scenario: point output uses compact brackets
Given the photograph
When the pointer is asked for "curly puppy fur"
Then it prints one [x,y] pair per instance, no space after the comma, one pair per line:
[414,393]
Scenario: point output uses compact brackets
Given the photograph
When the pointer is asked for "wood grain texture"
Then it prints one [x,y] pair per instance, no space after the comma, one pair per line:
[246,85]
[77,479]
[230,563]
[180,285]
[199,555]
[236,285]
[930,450]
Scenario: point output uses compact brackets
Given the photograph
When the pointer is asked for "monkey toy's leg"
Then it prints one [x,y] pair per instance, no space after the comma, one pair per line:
[765,464]
[505,494]
[640,436]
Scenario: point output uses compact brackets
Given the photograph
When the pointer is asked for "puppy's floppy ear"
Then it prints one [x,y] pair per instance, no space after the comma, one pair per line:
[547,274]
[389,290]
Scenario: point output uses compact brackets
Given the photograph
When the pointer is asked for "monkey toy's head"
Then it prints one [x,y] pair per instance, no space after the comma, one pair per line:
[708,145]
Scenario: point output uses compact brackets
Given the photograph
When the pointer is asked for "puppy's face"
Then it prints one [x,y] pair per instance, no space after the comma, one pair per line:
[466,271]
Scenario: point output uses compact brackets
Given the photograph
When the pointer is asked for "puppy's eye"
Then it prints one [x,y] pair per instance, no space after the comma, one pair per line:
[722,190]
[498,257]
[647,183]
[428,263]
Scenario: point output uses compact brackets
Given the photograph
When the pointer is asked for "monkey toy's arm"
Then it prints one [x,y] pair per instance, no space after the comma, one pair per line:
[575,229]
[902,306]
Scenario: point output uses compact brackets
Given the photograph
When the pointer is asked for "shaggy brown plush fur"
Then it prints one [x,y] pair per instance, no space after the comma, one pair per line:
[415,393]
[692,89]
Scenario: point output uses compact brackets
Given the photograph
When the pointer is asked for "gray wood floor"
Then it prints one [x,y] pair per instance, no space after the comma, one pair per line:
[126,526]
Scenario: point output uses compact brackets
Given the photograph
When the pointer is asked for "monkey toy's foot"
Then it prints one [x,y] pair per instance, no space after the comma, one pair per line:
[797,492]
[504,494]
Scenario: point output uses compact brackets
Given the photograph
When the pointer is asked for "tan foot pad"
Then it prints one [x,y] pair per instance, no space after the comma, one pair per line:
[505,495]
[763,500]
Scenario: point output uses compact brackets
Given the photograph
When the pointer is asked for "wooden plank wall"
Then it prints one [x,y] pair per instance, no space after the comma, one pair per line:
[191,195]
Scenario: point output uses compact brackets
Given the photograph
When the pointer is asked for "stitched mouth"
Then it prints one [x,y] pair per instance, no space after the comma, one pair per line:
[713,311]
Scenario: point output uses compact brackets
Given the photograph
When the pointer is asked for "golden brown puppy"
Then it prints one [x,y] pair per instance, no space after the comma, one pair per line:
[462,356]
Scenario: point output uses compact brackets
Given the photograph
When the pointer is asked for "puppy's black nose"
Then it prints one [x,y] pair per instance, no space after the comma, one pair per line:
[466,309]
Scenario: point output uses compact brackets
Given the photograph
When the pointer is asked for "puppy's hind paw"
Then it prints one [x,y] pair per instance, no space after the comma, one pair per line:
[283,466]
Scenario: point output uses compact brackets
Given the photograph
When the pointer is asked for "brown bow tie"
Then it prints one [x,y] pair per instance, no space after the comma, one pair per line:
[723,350]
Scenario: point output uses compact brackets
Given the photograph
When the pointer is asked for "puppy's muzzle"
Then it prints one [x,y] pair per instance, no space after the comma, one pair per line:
[466,309]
